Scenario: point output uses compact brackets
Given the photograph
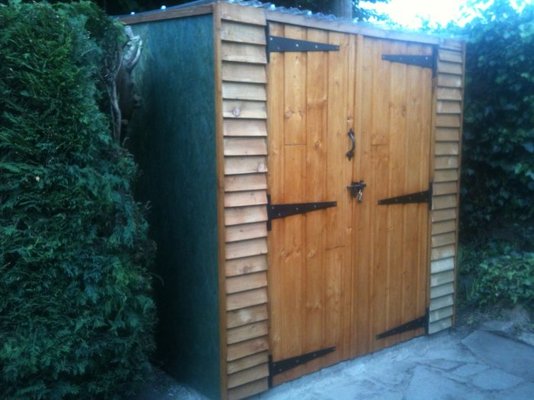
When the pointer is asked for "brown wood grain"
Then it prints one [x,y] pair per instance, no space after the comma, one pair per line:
[248,375]
[249,389]
[242,33]
[234,127]
[247,332]
[248,362]
[246,316]
[243,72]
[246,282]
[246,265]
[241,199]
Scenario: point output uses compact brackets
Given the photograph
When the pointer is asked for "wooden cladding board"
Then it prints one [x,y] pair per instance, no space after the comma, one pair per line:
[447,150]
[244,128]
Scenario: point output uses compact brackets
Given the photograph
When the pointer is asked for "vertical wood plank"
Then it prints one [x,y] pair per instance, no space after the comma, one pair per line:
[316,131]
[275,103]
[295,90]
[362,238]
[398,183]
[379,162]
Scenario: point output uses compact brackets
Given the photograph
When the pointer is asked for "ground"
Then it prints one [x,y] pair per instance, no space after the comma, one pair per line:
[489,355]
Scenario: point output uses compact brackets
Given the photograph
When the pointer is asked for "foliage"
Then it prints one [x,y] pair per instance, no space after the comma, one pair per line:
[498,147]
[496,261]
[497,275]
[76,316]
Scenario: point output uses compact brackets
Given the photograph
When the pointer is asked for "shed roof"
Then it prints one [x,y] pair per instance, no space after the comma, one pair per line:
[291,15]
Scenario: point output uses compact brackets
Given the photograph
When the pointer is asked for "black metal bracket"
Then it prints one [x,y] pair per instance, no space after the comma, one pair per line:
[277,367]
[421,322]
[423,61]
[418,197]
[275,211]
[419,61]
[281,44]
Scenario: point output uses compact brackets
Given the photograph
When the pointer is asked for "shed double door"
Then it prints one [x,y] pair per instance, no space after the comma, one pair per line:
[342,276]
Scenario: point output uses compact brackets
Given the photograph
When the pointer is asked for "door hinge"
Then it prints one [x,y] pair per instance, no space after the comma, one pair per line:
[280,44]
[277,367]
[418,197]
[275,211]
[421,322]
[423,61]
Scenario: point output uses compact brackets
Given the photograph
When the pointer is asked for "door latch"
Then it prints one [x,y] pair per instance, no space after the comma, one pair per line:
[356,190]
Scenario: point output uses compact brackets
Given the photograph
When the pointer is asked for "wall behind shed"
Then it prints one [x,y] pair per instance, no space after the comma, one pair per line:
[174,141]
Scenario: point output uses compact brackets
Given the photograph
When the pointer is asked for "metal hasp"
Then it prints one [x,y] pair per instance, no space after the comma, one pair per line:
[421,322]
[420,61]
[277,367]
[282,44]
[275,211]
[418,197]
[356,187]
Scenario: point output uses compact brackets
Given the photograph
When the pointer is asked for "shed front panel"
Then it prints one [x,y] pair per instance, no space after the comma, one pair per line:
[351,276]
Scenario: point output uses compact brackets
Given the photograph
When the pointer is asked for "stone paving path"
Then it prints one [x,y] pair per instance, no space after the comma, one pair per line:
[488,363]
[450,365]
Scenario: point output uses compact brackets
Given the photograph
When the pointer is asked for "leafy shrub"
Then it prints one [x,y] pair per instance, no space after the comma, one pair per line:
[506,279]
[76,316]
[498,146]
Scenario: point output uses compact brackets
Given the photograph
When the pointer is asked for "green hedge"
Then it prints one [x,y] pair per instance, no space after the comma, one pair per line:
[498,146]
[497,217]
[76,314]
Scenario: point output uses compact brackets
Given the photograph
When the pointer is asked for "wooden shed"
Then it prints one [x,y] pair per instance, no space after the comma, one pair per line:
[303,176]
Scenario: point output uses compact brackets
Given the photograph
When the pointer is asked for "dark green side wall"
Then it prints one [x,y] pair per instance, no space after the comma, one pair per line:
[174,143]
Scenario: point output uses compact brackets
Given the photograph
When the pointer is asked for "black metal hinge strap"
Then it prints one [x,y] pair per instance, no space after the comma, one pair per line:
[275,211]
[420,322]
[277,367]
[282,44]
[417,60]
[419,197]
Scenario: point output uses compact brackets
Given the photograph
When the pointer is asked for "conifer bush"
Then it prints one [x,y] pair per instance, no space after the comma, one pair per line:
[76,314]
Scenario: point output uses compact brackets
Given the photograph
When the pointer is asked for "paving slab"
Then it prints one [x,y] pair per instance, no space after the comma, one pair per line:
[495,379]
[427,384]
[527,338]
[470,369]
[513,357]
[445,365]
[522,392]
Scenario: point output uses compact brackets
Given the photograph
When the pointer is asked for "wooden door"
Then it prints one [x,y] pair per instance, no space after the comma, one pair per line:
[393,156]
[310,111]
[341,278]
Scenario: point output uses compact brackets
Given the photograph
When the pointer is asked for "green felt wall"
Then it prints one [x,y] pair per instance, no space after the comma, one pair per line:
[174,143]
